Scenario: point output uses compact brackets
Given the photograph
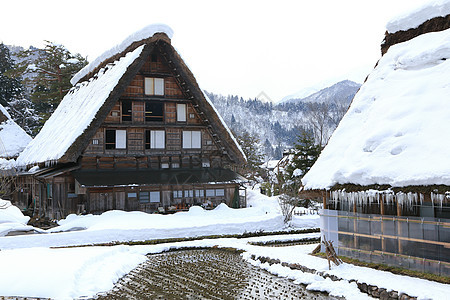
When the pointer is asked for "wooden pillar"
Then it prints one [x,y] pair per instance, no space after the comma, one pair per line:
[383,241]
[324,199]
[399,229]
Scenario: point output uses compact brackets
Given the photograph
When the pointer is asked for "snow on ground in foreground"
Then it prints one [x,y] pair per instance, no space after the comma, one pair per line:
[89,270]
[30,268]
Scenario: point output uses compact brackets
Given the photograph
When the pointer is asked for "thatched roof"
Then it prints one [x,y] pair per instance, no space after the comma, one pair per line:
[68,131]
[395,130]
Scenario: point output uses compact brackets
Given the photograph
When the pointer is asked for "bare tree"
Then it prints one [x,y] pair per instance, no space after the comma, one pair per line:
[319,118]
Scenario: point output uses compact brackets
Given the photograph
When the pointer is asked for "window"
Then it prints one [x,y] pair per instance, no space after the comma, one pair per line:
[199,193]
[164,166]
[116,139]
[154,57]
[178,194]
[132,195]
[215,193]
[155,197]
[181,112]
[192,139]
[154,111]
[188,193]
[126,110]
[155,139]
[175,165]
[154,86]
[95,142]
[146,197]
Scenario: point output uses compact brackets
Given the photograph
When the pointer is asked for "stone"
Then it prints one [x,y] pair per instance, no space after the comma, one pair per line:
[393,295]
[363,287]
[384,295]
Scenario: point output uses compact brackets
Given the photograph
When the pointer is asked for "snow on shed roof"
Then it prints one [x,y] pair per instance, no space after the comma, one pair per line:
[13,139]
[417,16]
[75,113]
[139,35]
[395,131]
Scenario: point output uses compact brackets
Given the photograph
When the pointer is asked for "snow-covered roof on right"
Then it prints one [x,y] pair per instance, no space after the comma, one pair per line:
[396,130]
[418,15]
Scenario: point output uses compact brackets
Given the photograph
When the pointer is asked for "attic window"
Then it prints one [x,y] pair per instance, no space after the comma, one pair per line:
[154,111]
[154,86]
[181,112]
[95,142]
[126,110]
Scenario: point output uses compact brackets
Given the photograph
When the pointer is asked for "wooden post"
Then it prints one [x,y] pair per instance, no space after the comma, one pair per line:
[399,229]
[383,241]
[324,199]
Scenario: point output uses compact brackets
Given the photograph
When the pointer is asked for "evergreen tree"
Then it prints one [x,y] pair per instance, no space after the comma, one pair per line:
[306,153]
[10,87]
[52,68]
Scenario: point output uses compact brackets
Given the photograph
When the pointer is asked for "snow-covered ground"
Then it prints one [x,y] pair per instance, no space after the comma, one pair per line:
[31,268]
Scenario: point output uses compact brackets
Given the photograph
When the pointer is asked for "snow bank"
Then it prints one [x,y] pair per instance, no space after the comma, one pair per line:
[76,111]
[393,131]
[12,219]
[64,273]
[417,16]
[139,35]
[195,217]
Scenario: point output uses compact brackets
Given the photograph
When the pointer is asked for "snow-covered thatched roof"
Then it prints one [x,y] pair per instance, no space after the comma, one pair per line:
[13,139]
[98,87]
[418,15]
[396,130]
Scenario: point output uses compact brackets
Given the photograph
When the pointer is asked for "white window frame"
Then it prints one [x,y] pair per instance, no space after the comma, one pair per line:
[181,112]
[192,139]
[154,86]
[220,192]
[157,139]
[121,139]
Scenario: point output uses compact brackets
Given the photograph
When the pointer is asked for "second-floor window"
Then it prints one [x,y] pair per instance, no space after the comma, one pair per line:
[192,139]
[115,139]
[155,139]
[154,86]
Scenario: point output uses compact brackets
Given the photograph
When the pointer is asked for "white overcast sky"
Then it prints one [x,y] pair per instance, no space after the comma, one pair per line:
[232,47]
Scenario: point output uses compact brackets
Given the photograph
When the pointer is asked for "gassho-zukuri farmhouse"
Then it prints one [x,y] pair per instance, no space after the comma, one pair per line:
[385,173]
[135,132]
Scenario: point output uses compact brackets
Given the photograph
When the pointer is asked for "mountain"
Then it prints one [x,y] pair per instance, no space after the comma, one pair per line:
[277,125]
[345,89]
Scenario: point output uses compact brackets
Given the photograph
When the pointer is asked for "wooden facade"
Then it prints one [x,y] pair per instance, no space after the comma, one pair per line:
[158,126]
